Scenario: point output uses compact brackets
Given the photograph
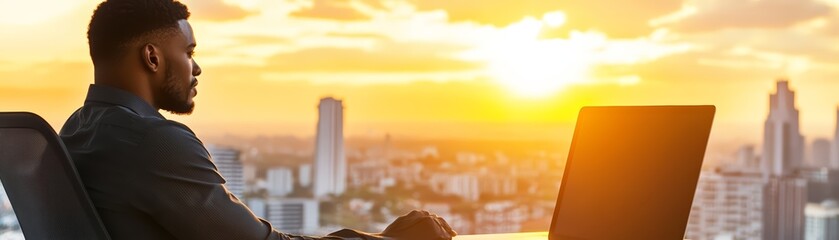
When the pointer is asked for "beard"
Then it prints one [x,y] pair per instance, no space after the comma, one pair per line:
[176,95]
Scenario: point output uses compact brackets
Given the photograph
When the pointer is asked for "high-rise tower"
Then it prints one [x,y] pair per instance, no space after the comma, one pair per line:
[783,145]
[784,193]
[330,164]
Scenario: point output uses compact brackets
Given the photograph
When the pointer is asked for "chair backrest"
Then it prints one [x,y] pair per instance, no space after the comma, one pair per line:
[41,182]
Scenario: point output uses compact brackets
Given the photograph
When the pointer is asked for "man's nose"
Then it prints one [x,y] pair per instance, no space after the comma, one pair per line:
[196,70]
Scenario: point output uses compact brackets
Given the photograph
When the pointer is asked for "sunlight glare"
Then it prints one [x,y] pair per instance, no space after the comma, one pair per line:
[554,19]
[533,67]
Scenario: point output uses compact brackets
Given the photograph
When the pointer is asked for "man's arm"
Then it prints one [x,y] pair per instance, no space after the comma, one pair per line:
[182,190]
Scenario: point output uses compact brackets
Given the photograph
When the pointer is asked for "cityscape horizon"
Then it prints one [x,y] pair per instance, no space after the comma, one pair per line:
[330,114]
[275,175]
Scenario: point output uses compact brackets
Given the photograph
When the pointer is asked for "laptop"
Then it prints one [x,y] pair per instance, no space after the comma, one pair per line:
[631,174]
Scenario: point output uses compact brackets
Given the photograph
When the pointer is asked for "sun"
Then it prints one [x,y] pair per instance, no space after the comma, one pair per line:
[533,67]
[531,70]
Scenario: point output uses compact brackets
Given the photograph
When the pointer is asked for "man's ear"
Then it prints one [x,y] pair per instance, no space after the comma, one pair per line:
[152,57]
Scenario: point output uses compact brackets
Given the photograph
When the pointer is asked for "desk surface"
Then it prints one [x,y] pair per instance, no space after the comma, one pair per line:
[506,236]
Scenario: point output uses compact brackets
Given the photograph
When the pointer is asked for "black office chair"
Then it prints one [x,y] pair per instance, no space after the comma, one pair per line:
[41,182]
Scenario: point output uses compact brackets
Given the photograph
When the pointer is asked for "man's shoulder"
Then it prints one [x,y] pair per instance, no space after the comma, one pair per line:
[169,130]
[122,117]
[120,122]
[117,131]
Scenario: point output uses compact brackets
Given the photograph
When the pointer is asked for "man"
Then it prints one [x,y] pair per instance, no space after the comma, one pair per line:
[151,178]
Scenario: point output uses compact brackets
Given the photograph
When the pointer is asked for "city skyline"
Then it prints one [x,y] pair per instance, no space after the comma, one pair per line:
[481,191]
[757,196]
[776,195]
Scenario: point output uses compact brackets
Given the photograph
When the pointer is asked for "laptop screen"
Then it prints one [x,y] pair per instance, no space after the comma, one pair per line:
[632,172]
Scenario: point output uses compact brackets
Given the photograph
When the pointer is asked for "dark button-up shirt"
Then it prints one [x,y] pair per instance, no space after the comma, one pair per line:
[151,178]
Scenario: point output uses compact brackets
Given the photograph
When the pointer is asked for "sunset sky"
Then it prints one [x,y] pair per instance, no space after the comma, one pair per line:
[455,68]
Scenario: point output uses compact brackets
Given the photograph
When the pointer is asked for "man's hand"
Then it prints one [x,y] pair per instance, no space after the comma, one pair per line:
[419,225]
[416,225]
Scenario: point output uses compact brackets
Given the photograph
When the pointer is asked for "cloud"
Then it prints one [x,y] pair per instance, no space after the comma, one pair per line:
[388,57]
[357,35]
[253,39]
[791,43]
[620,19]
[216,10]
[711,15]
[706,66]
[829,26]
[331,10]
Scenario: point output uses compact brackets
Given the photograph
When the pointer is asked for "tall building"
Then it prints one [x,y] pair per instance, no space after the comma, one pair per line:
[229,165]
[330,163]
[783,145]
[784,199]
[280,181]
[727,204]
[820,152]
[822,221]
[293,215]
[785,194]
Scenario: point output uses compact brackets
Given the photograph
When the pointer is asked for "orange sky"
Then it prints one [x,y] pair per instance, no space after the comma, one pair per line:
[455,69]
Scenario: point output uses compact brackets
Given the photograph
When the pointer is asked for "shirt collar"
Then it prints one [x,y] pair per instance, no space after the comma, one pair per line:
[115,96]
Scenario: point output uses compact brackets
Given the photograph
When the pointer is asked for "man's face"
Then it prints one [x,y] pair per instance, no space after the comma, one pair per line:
[178,88]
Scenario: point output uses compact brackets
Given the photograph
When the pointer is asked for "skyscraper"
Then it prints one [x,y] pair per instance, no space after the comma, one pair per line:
[783,145]
[330,164]
[785,194]
[229,165]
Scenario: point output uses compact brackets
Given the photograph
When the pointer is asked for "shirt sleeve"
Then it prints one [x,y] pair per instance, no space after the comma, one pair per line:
[182,190]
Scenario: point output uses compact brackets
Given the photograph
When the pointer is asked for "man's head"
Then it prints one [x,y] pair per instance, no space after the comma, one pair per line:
[146,47]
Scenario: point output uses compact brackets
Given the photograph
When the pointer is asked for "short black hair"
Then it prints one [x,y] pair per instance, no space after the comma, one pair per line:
[116,23]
